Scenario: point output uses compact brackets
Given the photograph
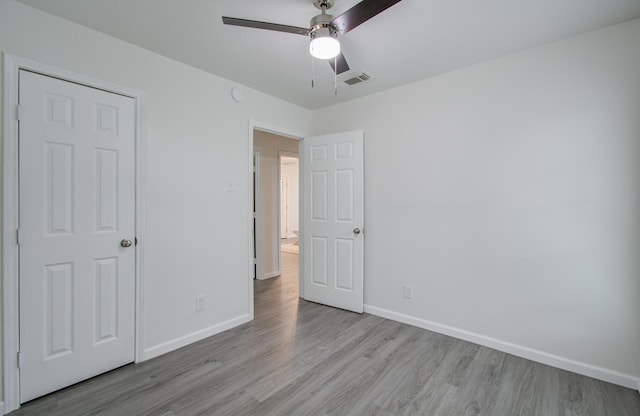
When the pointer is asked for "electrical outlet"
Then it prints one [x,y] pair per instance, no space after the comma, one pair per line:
[199,303]
[407,291]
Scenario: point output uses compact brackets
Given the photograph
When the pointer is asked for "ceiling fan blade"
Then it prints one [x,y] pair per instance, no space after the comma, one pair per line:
[341,62]
[360,13]
[265,25]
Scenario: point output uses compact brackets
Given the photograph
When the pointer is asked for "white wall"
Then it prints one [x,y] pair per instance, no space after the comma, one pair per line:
[290,170]
[508,195]
[196,234]
[270,145]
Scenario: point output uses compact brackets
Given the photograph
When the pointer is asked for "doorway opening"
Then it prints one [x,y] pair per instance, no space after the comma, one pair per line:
[276,207]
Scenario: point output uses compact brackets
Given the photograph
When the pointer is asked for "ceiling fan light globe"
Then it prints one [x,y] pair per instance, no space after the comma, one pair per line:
[324,47]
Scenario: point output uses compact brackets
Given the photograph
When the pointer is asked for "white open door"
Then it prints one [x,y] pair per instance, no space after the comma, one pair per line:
[77,233]
[333,237]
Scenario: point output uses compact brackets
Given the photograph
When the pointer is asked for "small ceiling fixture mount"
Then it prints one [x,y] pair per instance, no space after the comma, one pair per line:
[326,4]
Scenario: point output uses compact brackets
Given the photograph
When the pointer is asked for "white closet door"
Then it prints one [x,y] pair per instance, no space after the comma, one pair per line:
[77,218]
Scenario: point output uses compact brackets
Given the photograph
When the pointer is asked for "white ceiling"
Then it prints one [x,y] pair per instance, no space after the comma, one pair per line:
[413,40]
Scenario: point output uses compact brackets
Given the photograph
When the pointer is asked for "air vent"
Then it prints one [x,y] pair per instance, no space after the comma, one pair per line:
[362,77]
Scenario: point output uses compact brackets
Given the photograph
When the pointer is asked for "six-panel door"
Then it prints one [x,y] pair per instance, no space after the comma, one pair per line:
[333,241]
[77,191]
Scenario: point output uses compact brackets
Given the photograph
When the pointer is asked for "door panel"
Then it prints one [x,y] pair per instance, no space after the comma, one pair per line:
[106,300]
[106,191]
[334,208]
[77,190]
[58,301]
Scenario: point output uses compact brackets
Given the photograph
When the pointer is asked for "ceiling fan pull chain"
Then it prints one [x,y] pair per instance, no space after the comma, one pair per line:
[313,72]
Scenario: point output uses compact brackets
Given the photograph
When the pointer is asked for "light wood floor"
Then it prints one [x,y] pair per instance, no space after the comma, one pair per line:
[301,358]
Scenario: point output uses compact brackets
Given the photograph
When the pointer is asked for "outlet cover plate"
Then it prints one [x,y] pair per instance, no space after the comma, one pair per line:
[407,291]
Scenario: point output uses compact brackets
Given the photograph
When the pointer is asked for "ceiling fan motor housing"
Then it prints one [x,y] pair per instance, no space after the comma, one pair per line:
[321,21]
[324,37]
[321,26]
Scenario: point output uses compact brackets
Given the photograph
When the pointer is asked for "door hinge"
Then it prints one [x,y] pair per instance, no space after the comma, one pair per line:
[18,112]
[19,359]
[255,260]
[254,215]
[18,236]
[254,168]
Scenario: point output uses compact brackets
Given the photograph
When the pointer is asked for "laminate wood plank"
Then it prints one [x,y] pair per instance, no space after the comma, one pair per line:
[521,391]
[303,363]
[476,394]
[423,384]
[302,358]
[385,391]
[343,362]
[616,399]
[360,390]
[421,390]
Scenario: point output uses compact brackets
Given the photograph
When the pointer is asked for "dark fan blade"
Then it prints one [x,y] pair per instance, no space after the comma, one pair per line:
[265,25]
[342,64]
[360,13]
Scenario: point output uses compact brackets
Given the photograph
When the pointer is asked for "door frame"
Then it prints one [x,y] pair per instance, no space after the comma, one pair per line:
[11,209]
[257,206]
[257,125]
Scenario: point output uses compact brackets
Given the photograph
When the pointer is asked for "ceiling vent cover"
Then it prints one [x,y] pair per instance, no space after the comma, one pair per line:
[362,77]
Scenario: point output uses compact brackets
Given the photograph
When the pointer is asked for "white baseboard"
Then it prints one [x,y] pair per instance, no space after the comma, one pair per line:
[514,349]
[194,337]
[2,408]
[266,276]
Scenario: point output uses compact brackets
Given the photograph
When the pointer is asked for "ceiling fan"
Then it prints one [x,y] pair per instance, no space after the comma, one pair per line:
[324,28]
